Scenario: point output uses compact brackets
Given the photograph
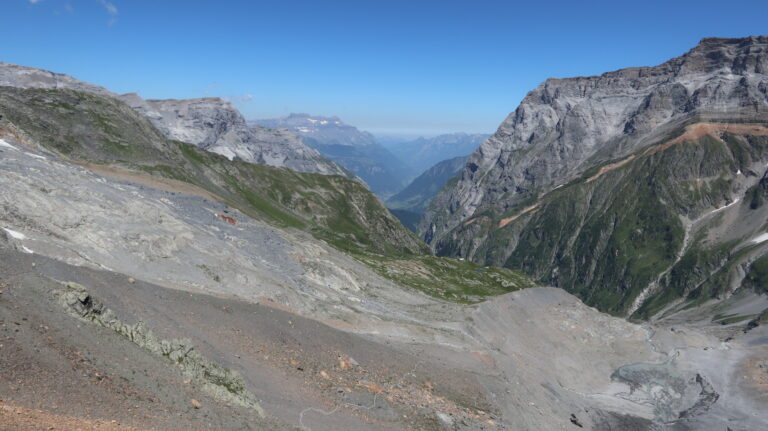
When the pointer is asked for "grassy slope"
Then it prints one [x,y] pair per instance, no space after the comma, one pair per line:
[90,128]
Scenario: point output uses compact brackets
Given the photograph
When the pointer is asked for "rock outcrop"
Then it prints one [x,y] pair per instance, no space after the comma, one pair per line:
[216,125]
[13,75]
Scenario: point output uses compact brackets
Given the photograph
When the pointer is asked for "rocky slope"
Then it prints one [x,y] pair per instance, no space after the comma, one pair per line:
[211,123]
[88,128]
[356,150]
[108,137]
[148,284]
[423,153]
[603,185]
[215,125]
[13,75]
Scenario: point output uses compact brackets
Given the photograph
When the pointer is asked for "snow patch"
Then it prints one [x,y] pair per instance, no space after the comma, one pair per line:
[7,145]
[35,156]
[14,234]
[27,250]
[760,238]
[224,151]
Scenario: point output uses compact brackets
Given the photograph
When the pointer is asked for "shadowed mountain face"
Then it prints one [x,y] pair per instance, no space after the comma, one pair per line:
[638,190]
[424,153]
[415,198]
[411,202]
[356,150]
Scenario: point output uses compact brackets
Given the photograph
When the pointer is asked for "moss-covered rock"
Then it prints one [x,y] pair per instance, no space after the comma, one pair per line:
[221,383]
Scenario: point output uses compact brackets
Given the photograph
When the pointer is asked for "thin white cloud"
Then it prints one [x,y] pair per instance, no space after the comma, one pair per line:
[111,10]
[109,6]
[245,98]
[34,1]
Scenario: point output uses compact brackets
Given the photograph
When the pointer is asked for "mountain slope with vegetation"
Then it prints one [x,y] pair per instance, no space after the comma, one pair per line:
[98,131]
[638,190]
[667,224]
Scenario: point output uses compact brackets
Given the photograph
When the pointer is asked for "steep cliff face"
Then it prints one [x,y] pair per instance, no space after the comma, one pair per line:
[215,125]
[565,126]
[210,123]
[585,187]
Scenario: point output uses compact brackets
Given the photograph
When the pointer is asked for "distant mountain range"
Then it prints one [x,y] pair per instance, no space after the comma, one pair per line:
[356,150]
[423,153]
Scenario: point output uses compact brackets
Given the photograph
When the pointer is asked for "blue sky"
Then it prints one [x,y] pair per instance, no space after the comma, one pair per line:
[420,67]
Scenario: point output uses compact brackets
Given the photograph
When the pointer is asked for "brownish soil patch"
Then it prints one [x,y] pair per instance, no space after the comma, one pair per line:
[608,168]
[753,375]
[508,220]
[18,418]
[160,183]
[696,131]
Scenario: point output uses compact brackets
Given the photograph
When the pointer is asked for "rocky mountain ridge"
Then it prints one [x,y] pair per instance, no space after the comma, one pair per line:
[604,185]
[210,123]
[565,126]
[323,129]
[216,125]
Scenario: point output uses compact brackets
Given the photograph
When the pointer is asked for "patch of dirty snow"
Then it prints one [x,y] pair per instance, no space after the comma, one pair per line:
[14,234]
[760,238]
[7,145]
[35,156]
[27,250]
